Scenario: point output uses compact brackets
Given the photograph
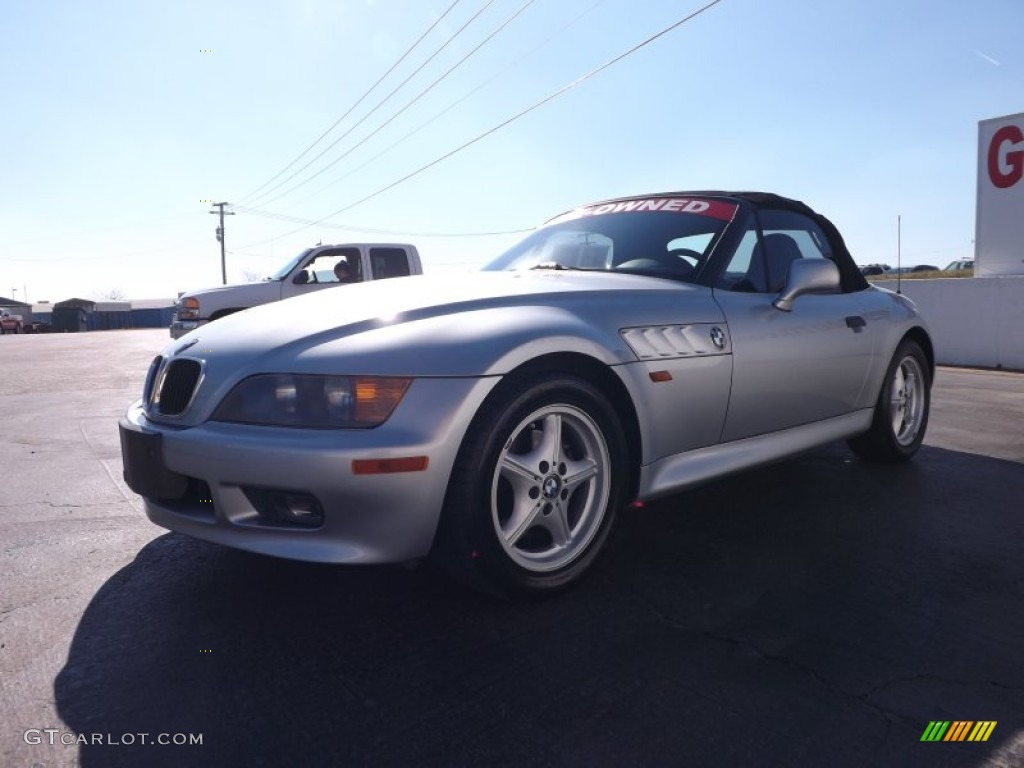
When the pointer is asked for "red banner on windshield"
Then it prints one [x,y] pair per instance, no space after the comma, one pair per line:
[716,209]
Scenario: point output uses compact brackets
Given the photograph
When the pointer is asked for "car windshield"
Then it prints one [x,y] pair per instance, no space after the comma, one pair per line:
[284,271]
[662,237]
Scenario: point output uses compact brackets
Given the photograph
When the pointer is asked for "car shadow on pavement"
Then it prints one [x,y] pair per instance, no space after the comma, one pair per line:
[817,612]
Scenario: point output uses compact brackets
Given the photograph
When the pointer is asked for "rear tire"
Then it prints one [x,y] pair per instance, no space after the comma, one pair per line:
[901,412]
[535,488]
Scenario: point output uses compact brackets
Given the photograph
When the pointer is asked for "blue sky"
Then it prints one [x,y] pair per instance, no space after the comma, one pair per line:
[118,124]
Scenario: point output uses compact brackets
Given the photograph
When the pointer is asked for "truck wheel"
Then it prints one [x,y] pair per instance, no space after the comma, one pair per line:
[535,489]
[223,313]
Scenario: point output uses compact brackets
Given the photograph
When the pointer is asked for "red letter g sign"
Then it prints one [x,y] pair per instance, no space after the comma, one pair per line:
[1014,159]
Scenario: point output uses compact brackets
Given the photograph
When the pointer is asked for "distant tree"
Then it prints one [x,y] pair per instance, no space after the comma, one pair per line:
[110,294]
[252,275]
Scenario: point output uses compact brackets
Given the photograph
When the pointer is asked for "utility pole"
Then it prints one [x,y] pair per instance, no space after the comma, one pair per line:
[220,239]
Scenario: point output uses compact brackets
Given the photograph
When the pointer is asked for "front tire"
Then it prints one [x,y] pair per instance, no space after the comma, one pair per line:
[901,413]
[535,488]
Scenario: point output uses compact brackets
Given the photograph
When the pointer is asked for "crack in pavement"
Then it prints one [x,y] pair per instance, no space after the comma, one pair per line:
[941,679]
[54,504]
[131,498]
[888,717]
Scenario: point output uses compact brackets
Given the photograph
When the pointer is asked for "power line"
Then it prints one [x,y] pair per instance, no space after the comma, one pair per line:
[416,98]
[358,101]
[382,102]
[508,121]
[457,102]
[372,230]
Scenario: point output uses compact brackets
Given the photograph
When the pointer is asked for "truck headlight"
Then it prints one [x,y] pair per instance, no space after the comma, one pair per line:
[312,401]
[188,309]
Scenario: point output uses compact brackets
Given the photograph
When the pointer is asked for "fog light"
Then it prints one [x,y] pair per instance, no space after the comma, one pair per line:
[284,508]
[302,507]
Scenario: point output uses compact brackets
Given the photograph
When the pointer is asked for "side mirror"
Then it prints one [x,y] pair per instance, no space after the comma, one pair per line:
[301,277]
[807,276]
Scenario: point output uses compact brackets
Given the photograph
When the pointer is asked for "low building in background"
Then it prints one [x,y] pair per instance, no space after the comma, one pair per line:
[69,316]
[152,313]
[16,307]
[73,315]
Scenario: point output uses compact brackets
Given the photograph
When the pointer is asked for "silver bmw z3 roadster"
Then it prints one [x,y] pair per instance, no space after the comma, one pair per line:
[498,421]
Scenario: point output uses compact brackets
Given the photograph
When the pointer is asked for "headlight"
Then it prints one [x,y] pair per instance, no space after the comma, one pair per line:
[188,309]
[304,400]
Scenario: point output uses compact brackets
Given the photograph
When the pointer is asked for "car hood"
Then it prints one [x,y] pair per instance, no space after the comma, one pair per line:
[393,303]
[458,325]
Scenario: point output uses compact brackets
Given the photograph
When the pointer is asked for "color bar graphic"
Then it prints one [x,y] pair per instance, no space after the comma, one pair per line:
[935,730]
[982,730]
[958,730]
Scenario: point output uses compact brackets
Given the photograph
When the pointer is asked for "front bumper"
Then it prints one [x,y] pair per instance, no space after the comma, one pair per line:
[180,327]
[202,474]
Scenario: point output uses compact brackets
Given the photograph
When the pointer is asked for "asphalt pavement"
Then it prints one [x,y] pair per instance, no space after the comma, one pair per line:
[819,612]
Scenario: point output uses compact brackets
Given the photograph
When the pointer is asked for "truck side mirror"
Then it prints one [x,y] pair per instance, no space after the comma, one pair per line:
[301,278]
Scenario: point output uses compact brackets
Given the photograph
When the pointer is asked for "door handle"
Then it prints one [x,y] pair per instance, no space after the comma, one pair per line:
[855,323]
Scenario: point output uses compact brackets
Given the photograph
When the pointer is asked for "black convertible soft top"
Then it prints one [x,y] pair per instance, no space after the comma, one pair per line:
[851,277]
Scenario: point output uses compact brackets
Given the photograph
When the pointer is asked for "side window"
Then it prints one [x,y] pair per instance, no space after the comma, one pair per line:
[807,235]
[761,261]
[338,265]
[389,262]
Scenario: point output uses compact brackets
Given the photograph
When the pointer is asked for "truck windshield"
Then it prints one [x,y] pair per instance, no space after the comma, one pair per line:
[283,272]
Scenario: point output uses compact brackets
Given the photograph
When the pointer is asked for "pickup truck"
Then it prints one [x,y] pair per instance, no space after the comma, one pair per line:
[324,266]
[11,323]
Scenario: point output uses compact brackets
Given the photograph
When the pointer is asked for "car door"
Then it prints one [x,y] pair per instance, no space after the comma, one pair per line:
[797,367]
